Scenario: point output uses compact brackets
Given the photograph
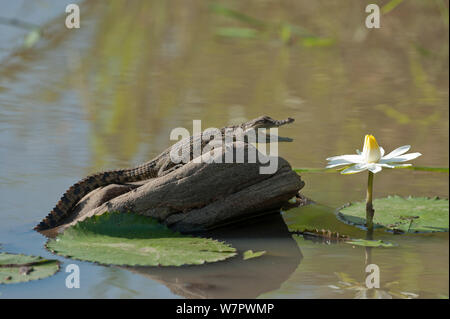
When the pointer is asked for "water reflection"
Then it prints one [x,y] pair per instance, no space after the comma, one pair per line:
[403,268]
[236,277]
[371,286]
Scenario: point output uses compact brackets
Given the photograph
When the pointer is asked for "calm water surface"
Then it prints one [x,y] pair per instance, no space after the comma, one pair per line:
[108,94]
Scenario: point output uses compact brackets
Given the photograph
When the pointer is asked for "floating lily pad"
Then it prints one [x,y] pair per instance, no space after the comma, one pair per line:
[318,217]
[131,239]
[249,254]
[21,268]
[401,215]
[370,243]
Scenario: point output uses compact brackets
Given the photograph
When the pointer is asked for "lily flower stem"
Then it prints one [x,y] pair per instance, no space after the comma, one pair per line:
[369,207]
[369,236]
[410,224]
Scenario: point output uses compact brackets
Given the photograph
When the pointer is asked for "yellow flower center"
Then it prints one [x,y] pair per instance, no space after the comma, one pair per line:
[371,150]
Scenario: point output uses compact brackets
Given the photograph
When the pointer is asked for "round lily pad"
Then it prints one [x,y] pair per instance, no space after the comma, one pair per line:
[21,268]
[401,215]
[131,239]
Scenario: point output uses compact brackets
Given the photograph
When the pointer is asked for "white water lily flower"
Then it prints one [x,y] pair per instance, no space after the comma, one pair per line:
[372,158]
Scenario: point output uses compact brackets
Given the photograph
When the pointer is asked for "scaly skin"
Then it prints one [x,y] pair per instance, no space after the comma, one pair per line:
[78,190]
[157,167]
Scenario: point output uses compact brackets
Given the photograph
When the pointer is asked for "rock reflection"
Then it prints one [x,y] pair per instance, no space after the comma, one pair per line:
[236,277]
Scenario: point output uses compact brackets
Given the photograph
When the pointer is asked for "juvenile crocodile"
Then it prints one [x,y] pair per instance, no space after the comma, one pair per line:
[157,167]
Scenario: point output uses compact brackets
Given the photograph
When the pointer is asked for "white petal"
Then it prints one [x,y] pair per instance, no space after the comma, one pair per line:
[388,165]
[393,165]
[338,162]
[358,152]
[398,151]
[401,158]
[382,151]
[335,163]
[355,169]
[353,159]
[374,168]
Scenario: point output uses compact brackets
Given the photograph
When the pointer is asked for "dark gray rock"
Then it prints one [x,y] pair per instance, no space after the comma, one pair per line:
[199,195]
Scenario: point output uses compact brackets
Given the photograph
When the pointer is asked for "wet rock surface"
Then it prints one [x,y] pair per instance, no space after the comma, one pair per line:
[200,195]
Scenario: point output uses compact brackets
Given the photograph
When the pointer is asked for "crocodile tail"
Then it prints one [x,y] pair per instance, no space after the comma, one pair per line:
[76,192]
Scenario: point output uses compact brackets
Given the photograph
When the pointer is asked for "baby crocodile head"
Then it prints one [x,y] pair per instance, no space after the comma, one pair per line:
[266,122]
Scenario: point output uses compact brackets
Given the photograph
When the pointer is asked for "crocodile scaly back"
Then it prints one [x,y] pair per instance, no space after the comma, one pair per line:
[80,189]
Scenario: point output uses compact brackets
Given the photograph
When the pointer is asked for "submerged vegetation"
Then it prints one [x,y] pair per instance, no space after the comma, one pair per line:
[286,32]
[171,57]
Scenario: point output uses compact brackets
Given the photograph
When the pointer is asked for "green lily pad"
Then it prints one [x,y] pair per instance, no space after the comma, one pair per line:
[401,215]
[16,268]
[249,254]
[131,239]
[317,217]
[370,243]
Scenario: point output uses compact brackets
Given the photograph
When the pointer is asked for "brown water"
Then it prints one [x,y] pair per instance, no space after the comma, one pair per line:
[108,94]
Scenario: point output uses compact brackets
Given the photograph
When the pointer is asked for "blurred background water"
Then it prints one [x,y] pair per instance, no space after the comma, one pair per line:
[107,95]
